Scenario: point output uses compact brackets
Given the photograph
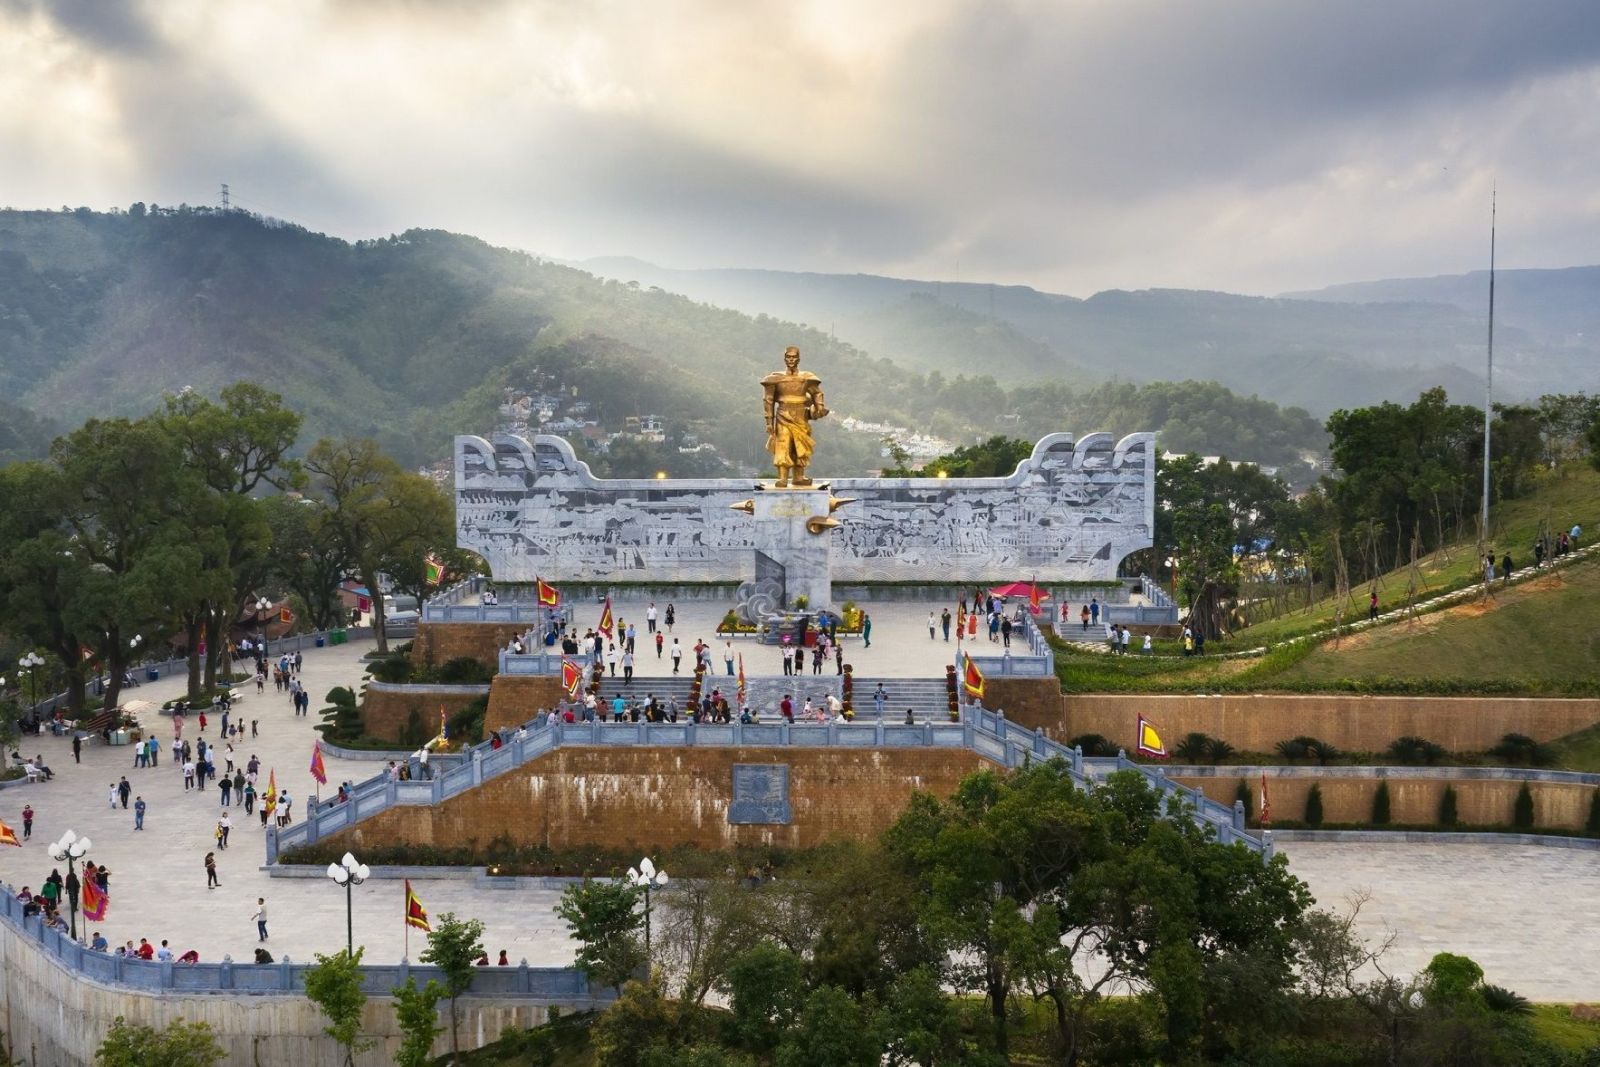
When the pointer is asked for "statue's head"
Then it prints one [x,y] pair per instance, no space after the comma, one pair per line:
[791,357]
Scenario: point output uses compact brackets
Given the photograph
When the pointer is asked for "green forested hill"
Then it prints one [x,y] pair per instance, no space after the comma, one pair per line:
[411,338]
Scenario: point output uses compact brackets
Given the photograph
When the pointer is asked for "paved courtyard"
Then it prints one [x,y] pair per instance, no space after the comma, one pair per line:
[900,645]
[1508,908]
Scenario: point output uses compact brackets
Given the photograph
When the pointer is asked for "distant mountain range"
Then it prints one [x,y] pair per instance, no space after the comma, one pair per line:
[1337,347]
[415,337]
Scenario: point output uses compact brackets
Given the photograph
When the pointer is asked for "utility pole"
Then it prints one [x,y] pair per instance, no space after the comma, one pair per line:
[226,206]
[1488,385]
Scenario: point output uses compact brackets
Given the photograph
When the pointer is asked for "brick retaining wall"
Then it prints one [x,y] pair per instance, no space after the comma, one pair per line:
[660,797]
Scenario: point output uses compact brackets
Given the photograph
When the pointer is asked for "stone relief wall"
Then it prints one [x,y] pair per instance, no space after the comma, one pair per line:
[1070,512]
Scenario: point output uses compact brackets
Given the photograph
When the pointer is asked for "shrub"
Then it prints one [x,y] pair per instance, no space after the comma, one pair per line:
[1522,810]
[1243,793]
[1219,750]
[1593,825]
[1380,805]
[1293,749]
[1447,807]
[1093,745]
[467,722]
[413,733]
[341,719]
[1522,749]
[464,670]
[1193,748]
[1500,999]
[1320,751]
[1416,750]
[395,670]
[1314,806]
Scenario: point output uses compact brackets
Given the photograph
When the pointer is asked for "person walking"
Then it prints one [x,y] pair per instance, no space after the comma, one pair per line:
[77,747]
[650,620]
[866,630]
[661,642]
[111,797]
[211,871]
[627,667]
[225,827]
[933,622]
[677,649]
[727,656]
[225,786]
[27,821]
[944,621]
[238,786]
[124,791]
[879,699]
[139,808]
[672,617]
[261,917]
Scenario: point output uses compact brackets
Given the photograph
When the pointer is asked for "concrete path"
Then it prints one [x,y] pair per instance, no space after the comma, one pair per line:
[1508,908]
[1528,915]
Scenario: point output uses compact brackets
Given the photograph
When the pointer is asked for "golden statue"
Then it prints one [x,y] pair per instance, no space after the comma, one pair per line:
[793,397]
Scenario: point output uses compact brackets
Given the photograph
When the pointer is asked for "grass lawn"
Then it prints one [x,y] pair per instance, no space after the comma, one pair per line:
[1540,636]
[1554,1023]
[1572,496]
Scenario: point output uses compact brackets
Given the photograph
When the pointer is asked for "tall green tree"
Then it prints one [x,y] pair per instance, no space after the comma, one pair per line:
[417,1013]
[454,945]
[604,918]
[307,556]
[382,516]
[334,985]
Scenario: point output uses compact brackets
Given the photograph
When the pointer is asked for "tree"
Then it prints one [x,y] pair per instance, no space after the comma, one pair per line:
[831,1029]
[764,984]
[334,985]
[417,1012]
[1380,804]
[381,516]
[605,920]
[307,556]
[1314,805]
[702,926]
[454,945]
[179,1044]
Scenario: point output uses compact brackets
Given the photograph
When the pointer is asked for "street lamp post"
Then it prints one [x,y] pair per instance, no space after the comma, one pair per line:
[646,877]
[349,872]
[31,663]
[71,848]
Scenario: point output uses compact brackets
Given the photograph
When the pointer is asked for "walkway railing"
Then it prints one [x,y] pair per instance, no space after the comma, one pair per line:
[1039,661]
[986,733]
[564,984]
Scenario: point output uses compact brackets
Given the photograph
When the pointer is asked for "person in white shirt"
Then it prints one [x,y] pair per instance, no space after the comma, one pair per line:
[727,655]
[1146,650]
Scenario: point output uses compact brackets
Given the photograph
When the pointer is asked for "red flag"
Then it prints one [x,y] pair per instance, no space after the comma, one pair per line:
[1035,598]
[571,676]
[972,679]
[1266,806]
[285,616]
[363,604]
[93,901]
[318,770]
[8,836]
[416,914]
[741,678]
[607,623]
[549,595]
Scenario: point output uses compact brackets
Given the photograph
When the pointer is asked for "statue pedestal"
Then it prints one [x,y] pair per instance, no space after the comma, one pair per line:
[783,534]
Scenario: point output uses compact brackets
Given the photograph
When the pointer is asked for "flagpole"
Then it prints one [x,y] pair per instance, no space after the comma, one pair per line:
[405,914]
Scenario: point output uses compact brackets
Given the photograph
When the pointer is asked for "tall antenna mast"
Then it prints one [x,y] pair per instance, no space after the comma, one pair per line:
[1488,384]
[226,200]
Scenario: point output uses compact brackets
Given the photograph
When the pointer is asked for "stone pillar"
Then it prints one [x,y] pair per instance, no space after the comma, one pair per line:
[781,533]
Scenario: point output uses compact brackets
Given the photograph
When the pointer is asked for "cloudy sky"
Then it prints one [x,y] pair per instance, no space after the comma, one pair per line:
[1066,144]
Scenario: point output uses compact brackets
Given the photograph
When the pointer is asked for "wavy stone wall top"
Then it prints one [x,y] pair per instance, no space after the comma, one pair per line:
[1070,512]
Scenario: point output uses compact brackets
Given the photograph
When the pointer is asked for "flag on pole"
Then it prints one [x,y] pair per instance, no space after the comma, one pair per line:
[93,901]
[972,679]
[416,914]
[285,615]
[549,595]
[1266,807]
[972,624]
[444,731]
[1035,597]
[571,677]
[961,622]
[607,623]
[1149,740]
[269,799]
[318,770]
[363,604]
[8,836]
[432,569]
[741,679]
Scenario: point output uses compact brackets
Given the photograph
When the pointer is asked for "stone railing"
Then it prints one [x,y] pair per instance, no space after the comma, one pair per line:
[1038,661]
[537,663]
[564,984]
[516,612]
[986,733]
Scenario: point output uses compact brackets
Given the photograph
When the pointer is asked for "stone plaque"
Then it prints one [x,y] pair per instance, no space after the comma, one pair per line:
[760,795]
